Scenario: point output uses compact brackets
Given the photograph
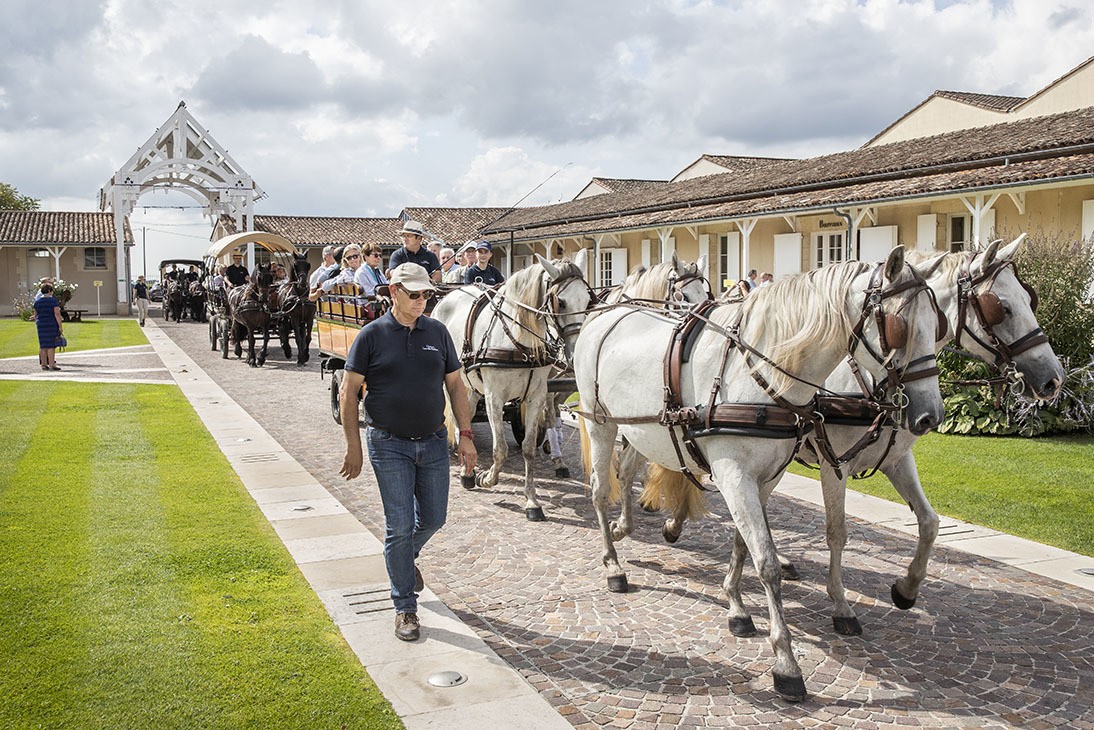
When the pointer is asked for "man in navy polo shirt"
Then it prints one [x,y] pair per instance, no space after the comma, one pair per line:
[413,251]
[405,361]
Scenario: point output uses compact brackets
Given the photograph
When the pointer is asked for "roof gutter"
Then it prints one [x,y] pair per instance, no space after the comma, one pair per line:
[1000,160]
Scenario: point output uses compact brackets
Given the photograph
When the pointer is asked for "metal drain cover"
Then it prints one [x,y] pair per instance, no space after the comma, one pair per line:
[1086,571]
[446,679]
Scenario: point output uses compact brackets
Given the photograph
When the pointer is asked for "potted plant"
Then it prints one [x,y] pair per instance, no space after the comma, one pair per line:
[62,290]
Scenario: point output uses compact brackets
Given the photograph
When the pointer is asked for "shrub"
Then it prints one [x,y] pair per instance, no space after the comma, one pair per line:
[1061,270]
[23,305]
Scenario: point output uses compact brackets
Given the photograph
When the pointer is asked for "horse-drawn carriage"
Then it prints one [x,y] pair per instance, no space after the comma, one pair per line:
[264,305]
[183,286]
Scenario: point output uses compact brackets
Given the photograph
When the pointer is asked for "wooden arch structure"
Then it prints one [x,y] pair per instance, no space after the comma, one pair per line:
[183,156]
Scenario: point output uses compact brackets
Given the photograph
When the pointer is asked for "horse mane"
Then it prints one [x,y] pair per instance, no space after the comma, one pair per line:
[651,283]
[793,315]
[526,288]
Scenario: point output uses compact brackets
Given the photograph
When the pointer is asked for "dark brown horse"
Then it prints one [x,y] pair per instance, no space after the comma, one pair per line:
[293,310]
[248,312]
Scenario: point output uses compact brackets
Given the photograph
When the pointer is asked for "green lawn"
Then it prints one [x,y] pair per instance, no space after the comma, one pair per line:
[1040,488]
[19,338]
[140,586]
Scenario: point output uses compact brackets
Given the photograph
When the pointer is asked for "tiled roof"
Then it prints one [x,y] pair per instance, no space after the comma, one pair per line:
[59,227]
[454,225]
[898,163]
[316,231]
[984,101]
[618,185]
[1014,173]
[737,162]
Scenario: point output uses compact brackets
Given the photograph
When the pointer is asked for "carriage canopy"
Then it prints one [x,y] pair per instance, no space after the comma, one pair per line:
[222,249]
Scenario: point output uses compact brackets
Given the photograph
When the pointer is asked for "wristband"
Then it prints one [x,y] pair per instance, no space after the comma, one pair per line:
[467,432]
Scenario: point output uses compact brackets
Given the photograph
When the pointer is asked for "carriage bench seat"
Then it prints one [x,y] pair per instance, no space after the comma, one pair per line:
[73,315]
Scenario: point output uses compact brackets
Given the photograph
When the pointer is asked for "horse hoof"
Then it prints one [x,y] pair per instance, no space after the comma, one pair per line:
[847,626]
[789,572]
[562,472]
[670,536]
[649,508]
[535,514]
[899,600]
[467,481]
[618,584]
[742,628]
[790,688]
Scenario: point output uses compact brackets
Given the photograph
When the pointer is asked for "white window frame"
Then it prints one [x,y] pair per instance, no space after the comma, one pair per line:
[729,267]
[611,269]
[827,247]
[956,246]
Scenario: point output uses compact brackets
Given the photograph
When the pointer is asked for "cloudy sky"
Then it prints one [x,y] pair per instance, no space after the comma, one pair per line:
[362,107]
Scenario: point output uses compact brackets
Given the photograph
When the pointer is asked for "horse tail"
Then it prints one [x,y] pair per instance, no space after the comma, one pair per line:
[615,489]
[450,421]
[671,490]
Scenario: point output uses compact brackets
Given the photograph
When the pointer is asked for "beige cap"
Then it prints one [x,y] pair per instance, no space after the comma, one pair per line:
[411,277]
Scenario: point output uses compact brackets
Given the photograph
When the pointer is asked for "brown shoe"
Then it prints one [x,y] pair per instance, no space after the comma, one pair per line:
[407,627]
[419,582]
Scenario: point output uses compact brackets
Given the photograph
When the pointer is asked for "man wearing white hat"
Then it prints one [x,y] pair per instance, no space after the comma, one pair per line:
[405,362]
[413,251]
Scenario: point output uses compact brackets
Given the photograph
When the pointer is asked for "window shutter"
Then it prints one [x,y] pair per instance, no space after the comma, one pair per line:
[926,233]
[788,255]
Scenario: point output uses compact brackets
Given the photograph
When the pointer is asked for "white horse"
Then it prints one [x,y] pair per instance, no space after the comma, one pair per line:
[758,360]
[511,338]
[996,323]
[671,284]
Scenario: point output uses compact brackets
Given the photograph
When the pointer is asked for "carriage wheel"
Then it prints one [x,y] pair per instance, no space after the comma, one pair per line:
[336,396]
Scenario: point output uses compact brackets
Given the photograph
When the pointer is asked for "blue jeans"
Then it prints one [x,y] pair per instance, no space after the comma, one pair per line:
[413,480]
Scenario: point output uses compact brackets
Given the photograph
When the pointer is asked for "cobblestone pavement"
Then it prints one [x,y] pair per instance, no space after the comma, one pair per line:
[987,645]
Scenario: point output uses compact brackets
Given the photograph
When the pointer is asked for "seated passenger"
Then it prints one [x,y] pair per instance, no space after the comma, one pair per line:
[370,274]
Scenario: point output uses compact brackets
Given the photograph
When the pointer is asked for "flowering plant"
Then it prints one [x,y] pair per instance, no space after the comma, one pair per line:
[60,286]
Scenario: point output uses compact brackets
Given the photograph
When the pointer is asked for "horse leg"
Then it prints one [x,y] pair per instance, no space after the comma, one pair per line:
[239,331]
[533,417]
[905,478]
[300,330]
[468,480]
[265,345]
[740,621]
[630,461]
[283,335]
[494,407]
[834,489]
[601,445]
[252,357]
[745,500]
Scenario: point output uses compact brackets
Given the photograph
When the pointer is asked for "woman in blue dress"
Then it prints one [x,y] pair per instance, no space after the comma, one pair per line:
[47,315]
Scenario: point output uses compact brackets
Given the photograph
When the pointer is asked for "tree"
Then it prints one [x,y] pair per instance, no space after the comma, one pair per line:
[11,199]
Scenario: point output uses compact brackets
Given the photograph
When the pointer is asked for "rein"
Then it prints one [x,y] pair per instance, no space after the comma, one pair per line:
[782,418]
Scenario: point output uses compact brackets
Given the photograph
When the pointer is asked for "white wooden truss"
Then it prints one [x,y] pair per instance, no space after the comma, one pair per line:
[180,155]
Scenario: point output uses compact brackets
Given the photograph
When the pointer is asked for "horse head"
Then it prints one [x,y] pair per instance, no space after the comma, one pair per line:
[991,313]
[568,297]
[261,279]
[899,322]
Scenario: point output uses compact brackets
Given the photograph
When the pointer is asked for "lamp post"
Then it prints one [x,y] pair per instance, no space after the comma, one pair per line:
[144,252]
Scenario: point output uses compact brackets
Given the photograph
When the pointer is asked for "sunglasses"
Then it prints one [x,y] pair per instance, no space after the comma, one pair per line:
[416,295]
[351,258]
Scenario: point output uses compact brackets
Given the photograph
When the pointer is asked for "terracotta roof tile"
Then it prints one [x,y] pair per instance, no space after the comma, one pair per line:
[738,162]
[454,225]
[59,227]
[317,231]
[618,184]
[984,101]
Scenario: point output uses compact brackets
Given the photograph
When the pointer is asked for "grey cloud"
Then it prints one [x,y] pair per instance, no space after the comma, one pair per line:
[257,76]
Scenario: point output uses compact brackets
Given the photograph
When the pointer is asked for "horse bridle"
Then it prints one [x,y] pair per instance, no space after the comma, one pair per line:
[554,302]
[892,332]
[989,311]
[677,284]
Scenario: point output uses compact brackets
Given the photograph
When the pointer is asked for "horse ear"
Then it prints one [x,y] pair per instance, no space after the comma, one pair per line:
[675,261]
[581,261]
[701,264]
[930,266]
[550,268]
[988,257]
[894,263]
[1010,251]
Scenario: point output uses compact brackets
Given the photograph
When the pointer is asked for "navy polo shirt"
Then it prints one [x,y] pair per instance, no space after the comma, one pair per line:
[487,277]
[424,258]
[404,373]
